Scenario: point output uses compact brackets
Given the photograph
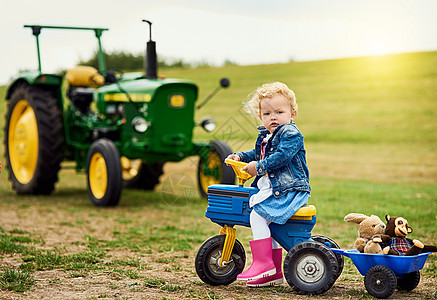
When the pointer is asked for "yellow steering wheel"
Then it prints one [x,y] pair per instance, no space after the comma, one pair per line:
[243,176]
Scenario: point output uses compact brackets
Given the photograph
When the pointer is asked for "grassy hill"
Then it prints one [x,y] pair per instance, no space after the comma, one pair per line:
[357,111]
[369,99]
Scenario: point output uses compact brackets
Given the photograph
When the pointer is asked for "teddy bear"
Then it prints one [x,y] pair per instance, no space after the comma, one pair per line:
[395,242]
[369,229]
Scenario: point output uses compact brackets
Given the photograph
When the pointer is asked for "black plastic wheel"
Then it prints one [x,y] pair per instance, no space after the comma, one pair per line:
[408,282]
[380,281]
[33,140]
[310,268]
[208,258]
[324,240]
[104,173]
[146,176]
[214,170]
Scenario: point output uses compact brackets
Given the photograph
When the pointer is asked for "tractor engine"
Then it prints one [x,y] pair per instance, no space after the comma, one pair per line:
[156,116]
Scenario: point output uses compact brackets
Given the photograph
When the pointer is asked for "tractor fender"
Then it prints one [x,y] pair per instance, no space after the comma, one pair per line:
[51,81]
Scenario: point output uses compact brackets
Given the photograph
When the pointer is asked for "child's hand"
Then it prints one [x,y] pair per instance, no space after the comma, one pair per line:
[233,157]
[250,168]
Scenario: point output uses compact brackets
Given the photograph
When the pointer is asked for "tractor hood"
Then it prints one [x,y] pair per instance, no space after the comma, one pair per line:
[166,109]
[141,90]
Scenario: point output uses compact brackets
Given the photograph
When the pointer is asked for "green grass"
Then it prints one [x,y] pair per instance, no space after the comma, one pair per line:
[371,135]
[16,280]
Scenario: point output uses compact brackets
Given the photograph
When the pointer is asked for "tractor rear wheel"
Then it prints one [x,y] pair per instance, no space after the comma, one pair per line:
[33,140]
[213,170]
[104,173]
[332,244]
[310,268]
[138,175]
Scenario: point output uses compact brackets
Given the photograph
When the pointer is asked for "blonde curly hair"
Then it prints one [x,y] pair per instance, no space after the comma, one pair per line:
[269,90]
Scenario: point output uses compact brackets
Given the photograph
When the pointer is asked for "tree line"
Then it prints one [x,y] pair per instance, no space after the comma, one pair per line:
[119,60]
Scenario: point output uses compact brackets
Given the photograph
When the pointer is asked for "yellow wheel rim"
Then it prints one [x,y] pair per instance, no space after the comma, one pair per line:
[130,167]
[214,162]
[98,176]
[23,141]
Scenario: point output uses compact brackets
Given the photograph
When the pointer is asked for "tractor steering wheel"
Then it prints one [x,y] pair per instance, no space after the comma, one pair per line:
[243,176]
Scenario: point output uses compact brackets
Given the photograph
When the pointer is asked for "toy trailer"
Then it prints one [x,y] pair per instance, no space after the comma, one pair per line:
[384,273]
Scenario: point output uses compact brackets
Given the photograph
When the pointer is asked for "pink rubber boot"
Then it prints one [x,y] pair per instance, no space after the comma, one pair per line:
[273,279]
[262,264]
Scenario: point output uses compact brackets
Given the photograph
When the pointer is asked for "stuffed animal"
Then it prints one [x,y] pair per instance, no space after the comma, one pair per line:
[394,241]
[369,227]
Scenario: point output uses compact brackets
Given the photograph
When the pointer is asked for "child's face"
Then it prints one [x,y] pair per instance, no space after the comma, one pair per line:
[275,111]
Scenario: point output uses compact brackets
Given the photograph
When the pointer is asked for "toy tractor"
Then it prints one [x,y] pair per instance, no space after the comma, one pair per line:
[310,266]
[119,128]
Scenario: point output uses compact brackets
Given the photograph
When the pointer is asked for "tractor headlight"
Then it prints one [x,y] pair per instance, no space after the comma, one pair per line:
[111,109]
[208,124]
[140,124]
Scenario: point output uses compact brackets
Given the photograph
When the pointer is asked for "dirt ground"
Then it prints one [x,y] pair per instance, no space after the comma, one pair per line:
[174,282]
[57,285]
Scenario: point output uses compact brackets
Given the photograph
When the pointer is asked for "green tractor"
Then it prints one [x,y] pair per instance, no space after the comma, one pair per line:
[118,128]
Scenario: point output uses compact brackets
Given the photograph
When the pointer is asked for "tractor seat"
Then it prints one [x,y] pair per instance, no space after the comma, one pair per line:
[84,76]
[305,213]
[82,80]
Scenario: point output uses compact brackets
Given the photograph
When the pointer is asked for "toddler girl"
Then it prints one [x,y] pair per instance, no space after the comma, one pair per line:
[279,163]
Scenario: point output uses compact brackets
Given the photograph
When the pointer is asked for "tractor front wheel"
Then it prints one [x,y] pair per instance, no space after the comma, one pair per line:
[208,257]
[33,140]
[213,170]
[104,179]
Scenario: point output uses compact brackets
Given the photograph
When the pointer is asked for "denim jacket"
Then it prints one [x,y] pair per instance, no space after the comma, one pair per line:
[284,159]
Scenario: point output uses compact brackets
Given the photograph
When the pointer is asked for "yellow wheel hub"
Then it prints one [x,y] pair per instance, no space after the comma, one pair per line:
[23,142]
[98,175]
[130,167]
[213,163]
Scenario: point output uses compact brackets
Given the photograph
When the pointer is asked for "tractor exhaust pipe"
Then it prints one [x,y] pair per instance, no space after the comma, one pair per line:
[151,60]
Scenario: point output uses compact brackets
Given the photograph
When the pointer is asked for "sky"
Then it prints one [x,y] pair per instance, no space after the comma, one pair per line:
[242,31]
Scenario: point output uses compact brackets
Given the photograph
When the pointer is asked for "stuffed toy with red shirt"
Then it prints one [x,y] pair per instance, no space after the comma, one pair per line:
[395,242]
